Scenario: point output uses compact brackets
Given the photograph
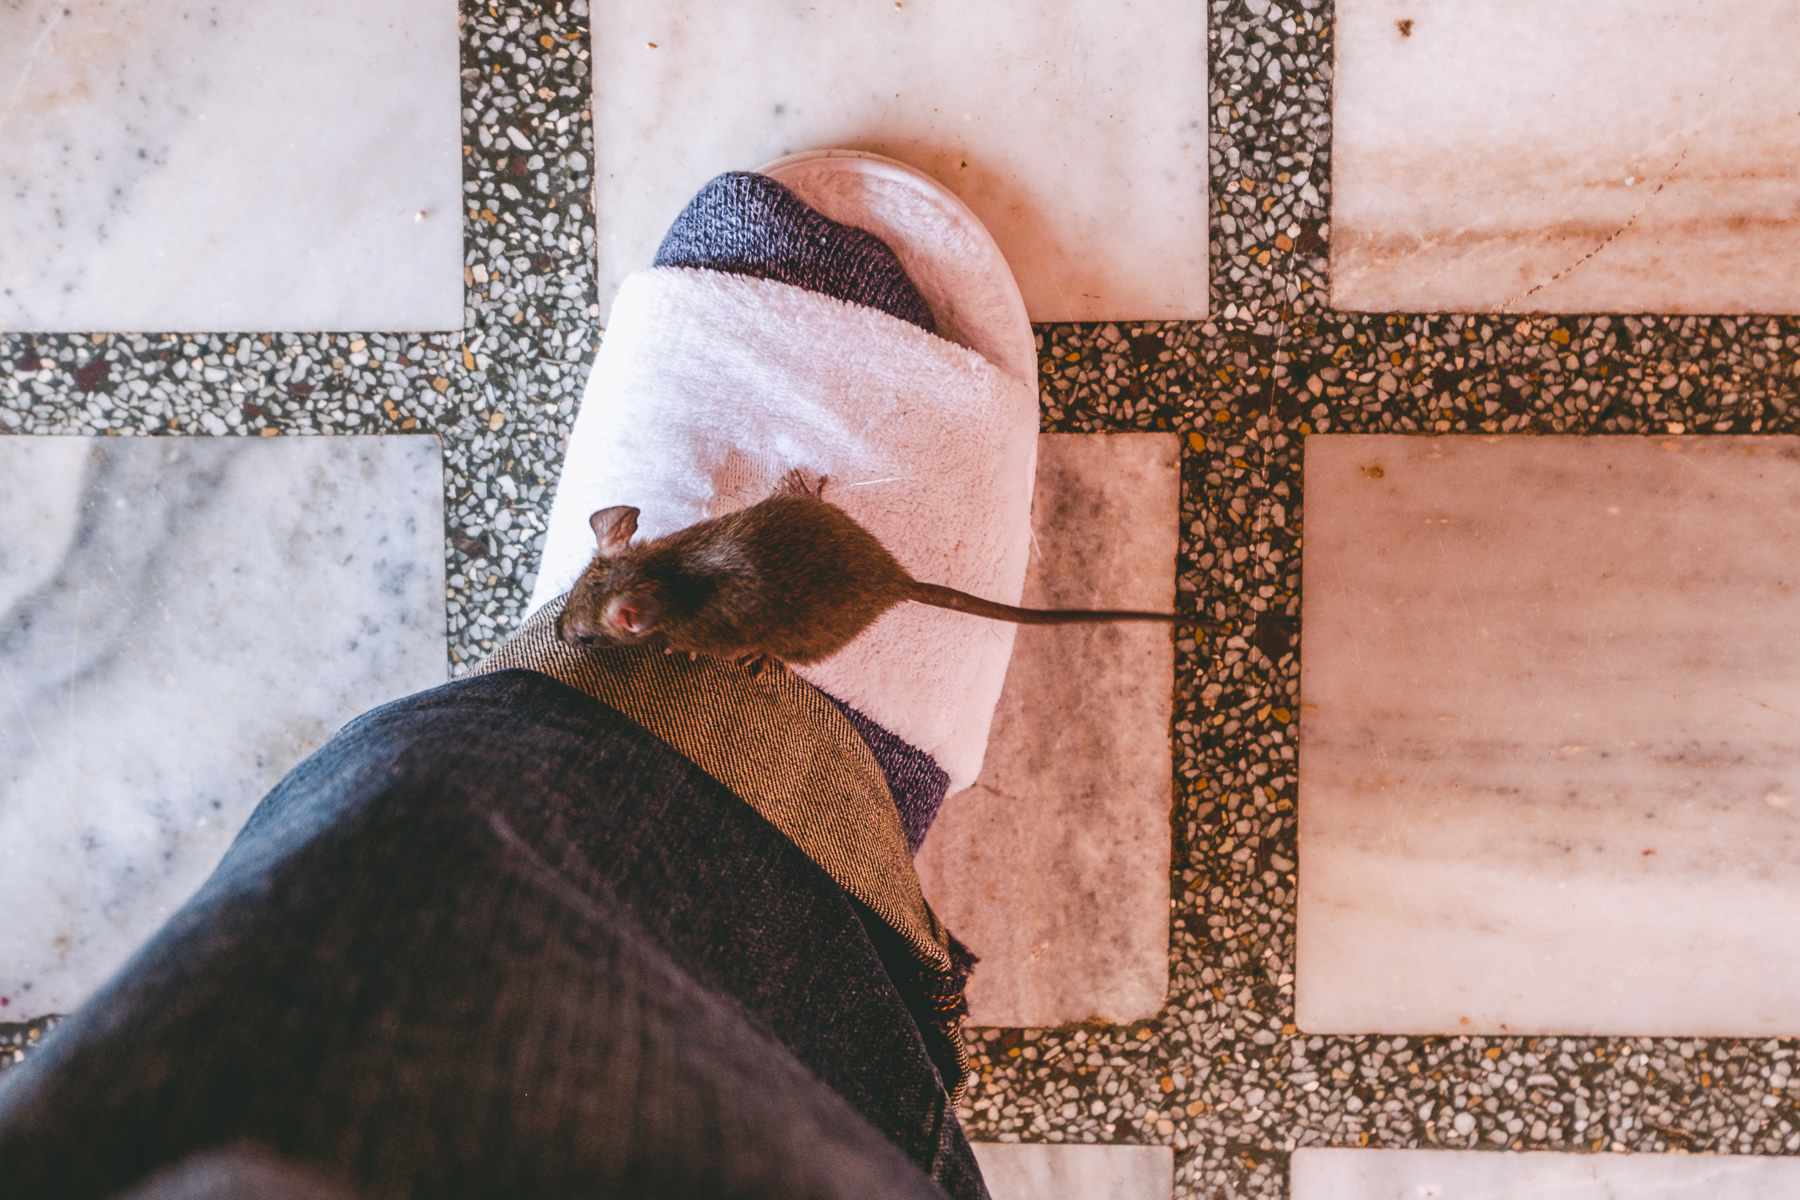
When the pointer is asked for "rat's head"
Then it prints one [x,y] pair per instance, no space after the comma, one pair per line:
[612,604]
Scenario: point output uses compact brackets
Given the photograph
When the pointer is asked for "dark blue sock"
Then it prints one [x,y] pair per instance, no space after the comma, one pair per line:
[748,224]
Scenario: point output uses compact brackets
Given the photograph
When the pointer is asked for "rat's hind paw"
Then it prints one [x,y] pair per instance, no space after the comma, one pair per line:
[794,484]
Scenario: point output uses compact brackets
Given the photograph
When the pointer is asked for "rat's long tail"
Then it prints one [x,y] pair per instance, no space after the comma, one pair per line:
[943,597]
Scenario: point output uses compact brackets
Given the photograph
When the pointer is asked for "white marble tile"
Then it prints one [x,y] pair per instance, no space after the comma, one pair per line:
[1550,736]
[181,621]
[1566,156]
[1075,130]
[1054,866]
[1481,1175]
[1042,1171]
[166,165]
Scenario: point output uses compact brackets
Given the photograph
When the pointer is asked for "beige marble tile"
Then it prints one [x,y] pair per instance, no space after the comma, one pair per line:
[1054,867]
[182,620]
[1076,131]
[1550,736]
[167,165]
[1471,1175]
[1038,1171]
[1566,156]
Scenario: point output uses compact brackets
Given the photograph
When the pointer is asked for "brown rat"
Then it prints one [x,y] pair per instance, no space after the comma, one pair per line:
[793,578]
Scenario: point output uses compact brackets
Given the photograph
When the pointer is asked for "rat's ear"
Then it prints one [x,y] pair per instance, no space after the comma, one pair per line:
[633,614]
[613,528]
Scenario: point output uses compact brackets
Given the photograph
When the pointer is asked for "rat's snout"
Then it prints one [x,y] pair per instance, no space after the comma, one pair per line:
[576,631]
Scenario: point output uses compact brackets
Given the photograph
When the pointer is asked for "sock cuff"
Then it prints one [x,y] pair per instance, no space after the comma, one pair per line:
[743,223]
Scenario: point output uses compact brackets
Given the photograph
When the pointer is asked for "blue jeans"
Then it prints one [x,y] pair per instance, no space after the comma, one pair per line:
[496,940]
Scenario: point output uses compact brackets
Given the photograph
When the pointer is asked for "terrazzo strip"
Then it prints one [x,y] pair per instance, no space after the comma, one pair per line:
[1219,1074]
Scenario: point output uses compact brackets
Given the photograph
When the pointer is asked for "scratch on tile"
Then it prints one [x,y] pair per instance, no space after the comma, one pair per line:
[1609,240]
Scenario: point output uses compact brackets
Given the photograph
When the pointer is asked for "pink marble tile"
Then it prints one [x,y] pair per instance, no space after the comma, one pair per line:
[1550,736]
[1038,1171]
[1566,156]
[1467,1175]
[1054,867]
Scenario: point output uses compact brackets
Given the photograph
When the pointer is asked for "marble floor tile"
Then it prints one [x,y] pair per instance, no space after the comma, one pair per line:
[1054,866]
[181,621]
[1042,1171]
[166,165]
[1076,131]
[1550,736]
[1479,1175]
[1566,156]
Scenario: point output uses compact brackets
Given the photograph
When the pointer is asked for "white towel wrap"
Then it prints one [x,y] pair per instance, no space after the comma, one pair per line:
[709,387]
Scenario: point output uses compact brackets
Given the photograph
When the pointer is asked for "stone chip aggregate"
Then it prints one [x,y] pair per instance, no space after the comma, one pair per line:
[1221,1074]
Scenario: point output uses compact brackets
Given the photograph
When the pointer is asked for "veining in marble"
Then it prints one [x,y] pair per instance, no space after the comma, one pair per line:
[1566,156]
[181,621]
[1477,1175]
[166,165]
[1076,131]
[1043,1171]
[1550,736]
[1054,866]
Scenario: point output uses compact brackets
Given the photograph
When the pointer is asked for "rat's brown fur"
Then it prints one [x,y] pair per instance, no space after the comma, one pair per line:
[793,578]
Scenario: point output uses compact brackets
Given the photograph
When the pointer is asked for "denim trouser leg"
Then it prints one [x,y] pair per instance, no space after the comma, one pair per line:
[497,940]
